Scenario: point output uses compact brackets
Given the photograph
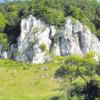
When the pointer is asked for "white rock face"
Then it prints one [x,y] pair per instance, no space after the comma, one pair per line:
[30,40]
[86,39]
[73,38]
[52,32]
[0,48]
[56,48]
[68,27]
[4,55]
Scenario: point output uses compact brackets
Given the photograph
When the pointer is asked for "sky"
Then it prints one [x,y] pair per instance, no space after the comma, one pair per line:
[1,0]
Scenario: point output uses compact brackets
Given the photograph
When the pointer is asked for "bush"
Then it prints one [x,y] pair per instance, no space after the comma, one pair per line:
[3,22]
[50,16]
[98,33]
[92,90]
[4,41]
[73,11]
[49,12]
[81,73]
[43,47]
[54,17]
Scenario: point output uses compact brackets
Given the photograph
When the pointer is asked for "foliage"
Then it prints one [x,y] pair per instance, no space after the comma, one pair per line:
[48,12]
[79,72]
[4,41]
[92,90]
[3,37]
[43,47]
[14,12]
[88,6]
[83,10]
[54,17]
[3,22]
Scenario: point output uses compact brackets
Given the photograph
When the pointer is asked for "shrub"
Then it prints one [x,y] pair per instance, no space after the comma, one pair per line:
[54,17]
[73,11]
[4,41]
[92,90]
[91,54]
[49,12]
[3,22]
[98,33]
[81,74]
[43,47]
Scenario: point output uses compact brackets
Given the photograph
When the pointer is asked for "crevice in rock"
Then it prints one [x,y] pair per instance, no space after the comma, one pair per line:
[52,43]
[50,34]
[12,33]
[60,45]
[80,40]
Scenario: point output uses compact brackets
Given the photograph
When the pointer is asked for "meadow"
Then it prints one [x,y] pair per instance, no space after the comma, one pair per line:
[28,82]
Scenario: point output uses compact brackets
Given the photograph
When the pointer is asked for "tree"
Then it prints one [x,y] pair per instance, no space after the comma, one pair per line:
[49,11]
[3,22]
[80,75]
[54,17]
[88,6]
[4,41]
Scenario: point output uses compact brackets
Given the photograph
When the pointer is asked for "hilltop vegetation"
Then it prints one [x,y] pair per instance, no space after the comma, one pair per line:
[53,12]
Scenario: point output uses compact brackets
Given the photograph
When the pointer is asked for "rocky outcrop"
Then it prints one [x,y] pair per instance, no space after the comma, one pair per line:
[73,38]
[37,41]
[3,54]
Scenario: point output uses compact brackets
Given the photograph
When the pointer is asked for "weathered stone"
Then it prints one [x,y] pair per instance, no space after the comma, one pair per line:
[52,32]
[73,38]
[4,55]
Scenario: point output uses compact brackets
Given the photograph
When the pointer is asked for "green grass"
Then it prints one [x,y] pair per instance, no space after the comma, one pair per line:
[28,82]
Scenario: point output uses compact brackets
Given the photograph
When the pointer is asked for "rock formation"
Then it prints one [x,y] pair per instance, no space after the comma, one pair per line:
[37,40]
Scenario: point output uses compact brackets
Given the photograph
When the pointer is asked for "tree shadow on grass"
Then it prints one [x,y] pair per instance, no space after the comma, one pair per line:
[61,72]
[55,98]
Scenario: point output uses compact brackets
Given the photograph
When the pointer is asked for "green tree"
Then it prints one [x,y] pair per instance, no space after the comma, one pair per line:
[3,22]
[80,75]
[4,41]
[87,6]
[48,11]
[54,17]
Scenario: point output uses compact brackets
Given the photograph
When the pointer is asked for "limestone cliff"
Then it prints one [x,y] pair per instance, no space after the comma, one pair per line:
[37,40]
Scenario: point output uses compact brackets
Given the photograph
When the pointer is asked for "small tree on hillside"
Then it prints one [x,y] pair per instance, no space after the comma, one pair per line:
[81,77]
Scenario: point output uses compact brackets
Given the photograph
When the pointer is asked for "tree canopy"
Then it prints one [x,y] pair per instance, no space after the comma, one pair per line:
[53,12]
[81,77]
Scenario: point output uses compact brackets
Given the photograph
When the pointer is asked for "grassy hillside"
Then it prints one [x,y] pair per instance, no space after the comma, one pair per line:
[73,77]
[28,82]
